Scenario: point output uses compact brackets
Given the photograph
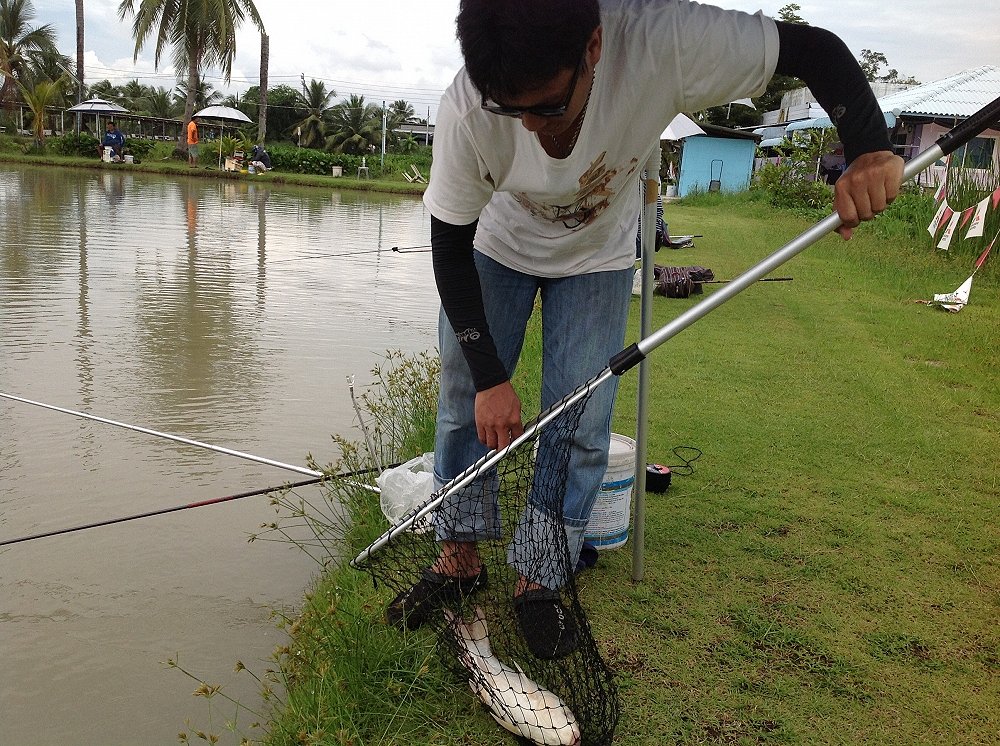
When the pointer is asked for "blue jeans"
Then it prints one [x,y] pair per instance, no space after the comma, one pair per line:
[583,326]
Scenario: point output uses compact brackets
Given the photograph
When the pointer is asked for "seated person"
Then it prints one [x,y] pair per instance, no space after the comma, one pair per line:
[114,139]
[259,159]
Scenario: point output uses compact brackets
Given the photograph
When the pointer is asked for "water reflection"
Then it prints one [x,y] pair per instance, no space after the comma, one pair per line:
[162,302]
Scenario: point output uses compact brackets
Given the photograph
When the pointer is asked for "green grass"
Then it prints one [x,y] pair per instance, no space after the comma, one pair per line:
[828,575]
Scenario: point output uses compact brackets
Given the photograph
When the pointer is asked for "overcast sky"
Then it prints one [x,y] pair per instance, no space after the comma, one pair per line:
[407,50]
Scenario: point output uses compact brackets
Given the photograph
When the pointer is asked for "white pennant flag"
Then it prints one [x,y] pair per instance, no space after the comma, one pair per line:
[979,218]
[949,231]
[936,222]
[956,301]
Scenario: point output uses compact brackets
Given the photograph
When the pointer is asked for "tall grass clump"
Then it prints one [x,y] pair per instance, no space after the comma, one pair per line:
[964,188]
[347,677]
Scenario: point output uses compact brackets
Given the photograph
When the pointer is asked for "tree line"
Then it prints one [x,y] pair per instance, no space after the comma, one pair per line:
[35,74]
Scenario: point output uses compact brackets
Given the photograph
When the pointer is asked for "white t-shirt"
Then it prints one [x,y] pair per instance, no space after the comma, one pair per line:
[557,217]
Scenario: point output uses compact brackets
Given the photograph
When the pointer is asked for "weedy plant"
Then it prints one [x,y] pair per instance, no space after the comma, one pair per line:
[965,187]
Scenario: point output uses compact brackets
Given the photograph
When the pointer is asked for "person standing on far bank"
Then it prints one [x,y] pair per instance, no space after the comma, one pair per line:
[538,146]
[192,143]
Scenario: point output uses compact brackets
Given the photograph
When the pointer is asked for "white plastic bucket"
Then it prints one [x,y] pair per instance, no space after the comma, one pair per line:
[609,521]
[336,170]
[129,159]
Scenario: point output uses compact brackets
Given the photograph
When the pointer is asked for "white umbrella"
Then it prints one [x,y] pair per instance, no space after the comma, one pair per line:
[98,106]
[681,127]
[223,114]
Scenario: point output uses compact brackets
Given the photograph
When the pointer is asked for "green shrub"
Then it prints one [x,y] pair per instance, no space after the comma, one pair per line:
[787,185]
[139,148]
[82,144]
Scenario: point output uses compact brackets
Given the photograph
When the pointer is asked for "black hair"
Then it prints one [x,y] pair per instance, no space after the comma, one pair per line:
[514,46]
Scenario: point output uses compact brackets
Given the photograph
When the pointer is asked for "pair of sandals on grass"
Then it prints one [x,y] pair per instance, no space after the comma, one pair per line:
[547,627]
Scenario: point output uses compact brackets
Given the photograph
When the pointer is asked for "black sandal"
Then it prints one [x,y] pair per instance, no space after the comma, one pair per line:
[414,606]
[548,628]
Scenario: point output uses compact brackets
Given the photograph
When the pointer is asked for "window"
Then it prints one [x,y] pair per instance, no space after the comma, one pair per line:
[977,153]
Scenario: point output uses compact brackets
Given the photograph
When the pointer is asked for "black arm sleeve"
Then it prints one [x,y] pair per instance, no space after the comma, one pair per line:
[825,64]
[462,299]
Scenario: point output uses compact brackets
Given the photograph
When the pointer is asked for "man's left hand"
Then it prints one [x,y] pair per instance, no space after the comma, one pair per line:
[866,188]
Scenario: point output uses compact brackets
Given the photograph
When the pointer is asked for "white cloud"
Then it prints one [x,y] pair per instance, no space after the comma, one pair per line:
[408,50]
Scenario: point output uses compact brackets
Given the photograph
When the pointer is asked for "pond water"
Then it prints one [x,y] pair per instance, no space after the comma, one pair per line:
[195,307]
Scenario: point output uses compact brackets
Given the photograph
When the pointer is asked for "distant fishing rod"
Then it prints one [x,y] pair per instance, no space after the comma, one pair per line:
[176,438]
[763,279]
[394,249]
[161,511]
[186,506]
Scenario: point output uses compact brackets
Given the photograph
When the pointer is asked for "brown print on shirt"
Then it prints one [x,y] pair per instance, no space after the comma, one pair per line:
[590,200]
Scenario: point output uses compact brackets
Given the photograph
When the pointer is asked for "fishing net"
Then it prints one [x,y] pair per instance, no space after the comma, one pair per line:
[480,636]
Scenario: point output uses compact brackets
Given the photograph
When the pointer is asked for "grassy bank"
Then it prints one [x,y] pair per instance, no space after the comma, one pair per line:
[394,185]
[828,574]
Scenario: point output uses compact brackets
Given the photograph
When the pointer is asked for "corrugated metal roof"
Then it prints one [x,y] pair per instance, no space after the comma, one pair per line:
[960,95]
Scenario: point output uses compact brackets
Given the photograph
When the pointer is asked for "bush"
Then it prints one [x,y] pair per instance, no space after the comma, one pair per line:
[82,144]
[788,186]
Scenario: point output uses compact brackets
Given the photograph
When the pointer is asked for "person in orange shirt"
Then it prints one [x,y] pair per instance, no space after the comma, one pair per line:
[192,134]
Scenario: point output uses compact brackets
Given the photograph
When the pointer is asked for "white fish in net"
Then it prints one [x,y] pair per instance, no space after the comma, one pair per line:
[515,701]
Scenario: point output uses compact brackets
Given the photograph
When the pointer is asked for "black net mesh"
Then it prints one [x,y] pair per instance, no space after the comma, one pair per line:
[567,695]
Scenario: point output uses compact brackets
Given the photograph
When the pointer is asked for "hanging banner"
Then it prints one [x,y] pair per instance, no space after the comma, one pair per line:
[966,216]
[996,197]
[982,257]
[949,231]
[939,194]
[979,218]
[939,217]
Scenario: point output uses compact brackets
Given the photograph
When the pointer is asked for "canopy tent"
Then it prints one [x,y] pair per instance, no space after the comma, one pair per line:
[223,114]
[824,122]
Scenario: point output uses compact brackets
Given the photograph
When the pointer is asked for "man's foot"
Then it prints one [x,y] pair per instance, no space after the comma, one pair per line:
[546,625]
[414,606]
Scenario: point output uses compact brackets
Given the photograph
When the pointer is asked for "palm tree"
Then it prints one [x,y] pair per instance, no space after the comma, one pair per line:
[158,102]
[132,93]
[356,127]
[314,102]
[400,112]
[20,45]
[79,44]
[43,94]
[200,33]
[204,95]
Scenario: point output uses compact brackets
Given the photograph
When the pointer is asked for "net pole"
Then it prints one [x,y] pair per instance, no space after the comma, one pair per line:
[651,191]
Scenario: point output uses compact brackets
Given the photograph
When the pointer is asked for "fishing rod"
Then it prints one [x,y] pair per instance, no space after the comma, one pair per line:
[186,506]
[394,249]
[763,279]
[160,511]
[176,438]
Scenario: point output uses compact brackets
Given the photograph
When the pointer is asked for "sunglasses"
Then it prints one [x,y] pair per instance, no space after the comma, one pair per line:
[536,111]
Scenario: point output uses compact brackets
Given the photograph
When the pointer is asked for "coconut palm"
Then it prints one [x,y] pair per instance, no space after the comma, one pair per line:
[41,95]
[400,112]
[204,94]
[355,127]
[132,93]
[20,45]
[314,102]
[158,102]
[79,44]
[200,33]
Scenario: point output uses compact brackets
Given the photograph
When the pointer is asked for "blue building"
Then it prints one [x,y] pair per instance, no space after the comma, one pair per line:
[720,160]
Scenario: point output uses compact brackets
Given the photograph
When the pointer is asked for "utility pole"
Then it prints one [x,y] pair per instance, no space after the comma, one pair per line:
[305,93]
[384,117]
